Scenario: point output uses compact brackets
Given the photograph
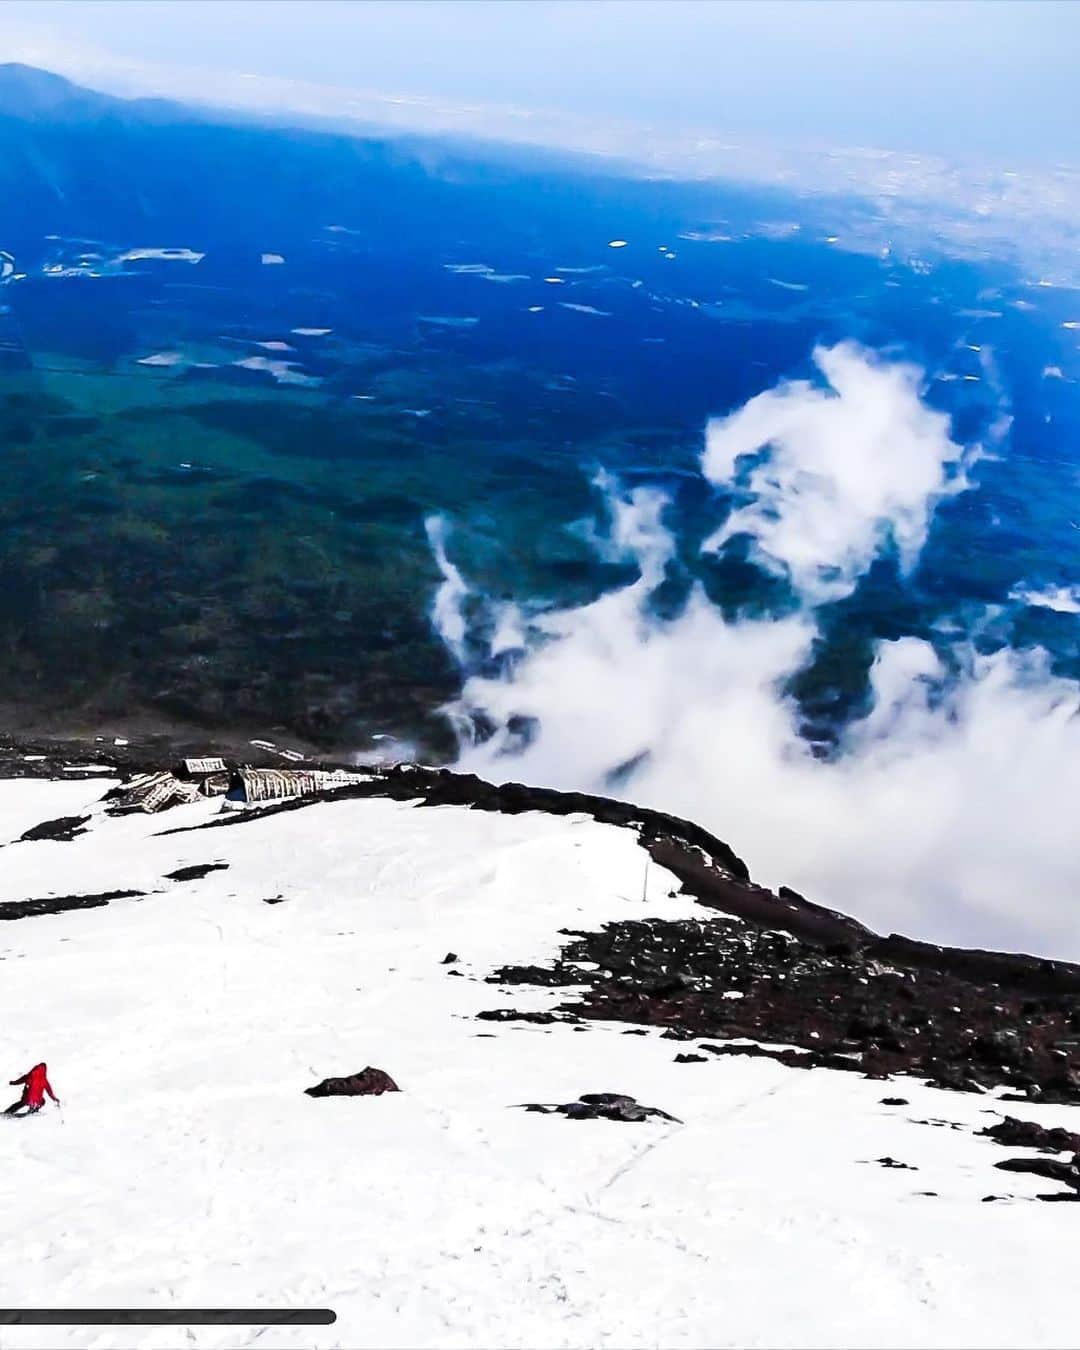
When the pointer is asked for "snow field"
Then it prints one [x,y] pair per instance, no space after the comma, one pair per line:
[188,1168]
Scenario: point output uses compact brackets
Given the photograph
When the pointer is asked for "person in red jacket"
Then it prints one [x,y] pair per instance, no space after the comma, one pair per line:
[34,1085]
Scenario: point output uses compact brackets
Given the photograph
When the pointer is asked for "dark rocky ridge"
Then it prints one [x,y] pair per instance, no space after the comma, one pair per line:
[790,971]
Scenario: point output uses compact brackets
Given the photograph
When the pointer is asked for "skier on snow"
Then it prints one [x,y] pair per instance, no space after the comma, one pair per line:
[34,1085]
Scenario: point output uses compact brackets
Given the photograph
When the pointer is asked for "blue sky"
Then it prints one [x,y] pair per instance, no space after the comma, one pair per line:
[987,79]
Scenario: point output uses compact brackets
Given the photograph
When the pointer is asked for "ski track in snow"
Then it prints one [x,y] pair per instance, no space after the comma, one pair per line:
[188,1168]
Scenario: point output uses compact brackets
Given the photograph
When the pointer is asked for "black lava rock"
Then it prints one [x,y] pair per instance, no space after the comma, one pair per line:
[195,872]
[1067,1172]
[1026,1134]
[368,1082]
[966,1021]
[604,1106]
[59,904]
[62,830]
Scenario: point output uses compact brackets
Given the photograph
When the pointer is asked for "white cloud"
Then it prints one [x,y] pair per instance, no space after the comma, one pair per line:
[847,466]
[447,611]
[1064,599]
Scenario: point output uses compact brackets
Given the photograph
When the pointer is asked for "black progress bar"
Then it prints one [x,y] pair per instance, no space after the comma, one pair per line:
[166,1317]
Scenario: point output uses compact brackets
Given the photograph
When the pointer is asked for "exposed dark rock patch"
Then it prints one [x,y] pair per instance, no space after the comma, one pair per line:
[834,1006]
[554,977]
[196,871]
[1027,1134]
[274,899]
[449,959]
[604,1106]
[794,1059]
[1066,1172]
[894,1101]
[63,829]
[368,1082]
[898,1166]
[510,1015]
[59,904]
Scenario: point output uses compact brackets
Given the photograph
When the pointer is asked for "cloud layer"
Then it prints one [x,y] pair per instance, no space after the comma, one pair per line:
[949,812]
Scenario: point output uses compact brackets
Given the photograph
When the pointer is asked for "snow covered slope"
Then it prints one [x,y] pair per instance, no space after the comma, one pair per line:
[188,1168]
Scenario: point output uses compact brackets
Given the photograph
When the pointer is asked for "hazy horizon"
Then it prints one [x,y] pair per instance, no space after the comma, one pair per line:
[967,80]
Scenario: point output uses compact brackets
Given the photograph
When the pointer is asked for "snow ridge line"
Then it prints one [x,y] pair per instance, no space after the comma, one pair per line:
[707,868]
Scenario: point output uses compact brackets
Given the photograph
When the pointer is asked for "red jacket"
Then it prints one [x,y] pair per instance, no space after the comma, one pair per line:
[35,1085]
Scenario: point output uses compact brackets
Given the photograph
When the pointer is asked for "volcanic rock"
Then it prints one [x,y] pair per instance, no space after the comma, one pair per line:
[604,1106]
[196,871]
[1026,1134]
[971,1023]
[368,1082]
[60,904]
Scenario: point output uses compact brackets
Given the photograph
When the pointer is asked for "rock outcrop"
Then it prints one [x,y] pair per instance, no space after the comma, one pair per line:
[604,1106]
[368,1082]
